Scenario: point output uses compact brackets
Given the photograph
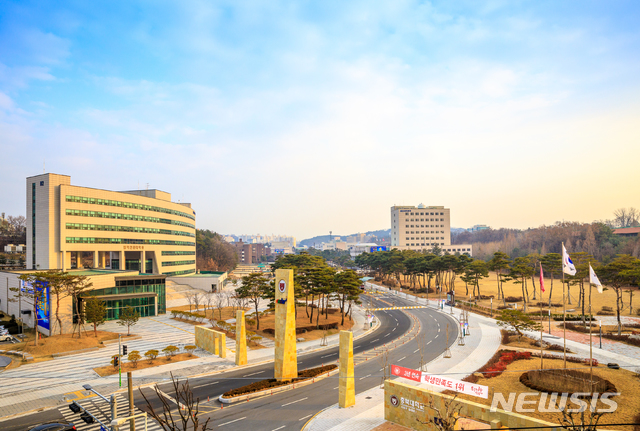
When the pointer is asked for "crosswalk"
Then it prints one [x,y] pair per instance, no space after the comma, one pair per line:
[102,410]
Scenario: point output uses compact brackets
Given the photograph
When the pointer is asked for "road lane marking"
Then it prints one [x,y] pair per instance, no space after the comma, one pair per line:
[253,374]
[230,422]
[279,428]
[387,335]
[416,351]
[430,341]
[375,340]
[326,356]
[364,377]
[206,384]
[393,329]
[301,419]
[334,390]
[438,330]
[297,401]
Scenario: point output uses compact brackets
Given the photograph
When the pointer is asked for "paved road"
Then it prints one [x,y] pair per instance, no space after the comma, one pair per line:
[290,410]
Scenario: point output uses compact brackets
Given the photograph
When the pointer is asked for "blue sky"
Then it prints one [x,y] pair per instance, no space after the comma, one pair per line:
[303,117]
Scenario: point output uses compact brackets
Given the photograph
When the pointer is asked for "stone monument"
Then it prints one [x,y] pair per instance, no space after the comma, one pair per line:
[286,365]
[241,339]
[346,385]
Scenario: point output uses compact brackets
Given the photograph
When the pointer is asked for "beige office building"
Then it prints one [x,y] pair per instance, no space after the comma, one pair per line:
[423,228]
[73,227]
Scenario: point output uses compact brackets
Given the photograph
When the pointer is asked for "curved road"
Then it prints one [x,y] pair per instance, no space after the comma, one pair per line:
[292,409]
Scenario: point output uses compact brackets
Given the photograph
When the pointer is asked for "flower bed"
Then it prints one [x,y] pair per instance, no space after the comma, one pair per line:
[505,358]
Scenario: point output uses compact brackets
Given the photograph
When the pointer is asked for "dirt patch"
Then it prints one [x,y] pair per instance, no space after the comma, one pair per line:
[226,312]
[267,324]
[48,346]
[142,364]
[626,382]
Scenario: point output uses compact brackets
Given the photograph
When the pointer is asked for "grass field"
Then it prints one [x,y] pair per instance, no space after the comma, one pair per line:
[489,287]
[47,346]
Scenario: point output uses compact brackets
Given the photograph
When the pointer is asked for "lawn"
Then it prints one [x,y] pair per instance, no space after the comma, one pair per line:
[267,321]
[489,287]
[48,346]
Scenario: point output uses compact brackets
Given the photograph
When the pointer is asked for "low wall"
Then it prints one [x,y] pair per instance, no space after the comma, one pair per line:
[211,341]
[410,406]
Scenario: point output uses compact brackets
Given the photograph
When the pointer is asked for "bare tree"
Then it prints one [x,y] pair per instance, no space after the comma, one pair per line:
[383,359]
[185,417]
[221,298]
[190,297]
[446,416]
[624,217]
[197,299]
[585,420]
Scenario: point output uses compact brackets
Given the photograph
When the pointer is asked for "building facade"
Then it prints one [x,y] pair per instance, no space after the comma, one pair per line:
[423,228]
[73,227]
[251,253]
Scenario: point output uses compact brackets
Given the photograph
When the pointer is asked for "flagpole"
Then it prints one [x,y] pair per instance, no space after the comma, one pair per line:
[564,312]
[541,318]
[590,342]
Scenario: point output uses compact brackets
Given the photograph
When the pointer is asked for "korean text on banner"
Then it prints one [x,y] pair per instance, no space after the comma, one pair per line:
[407,373]
[456,385]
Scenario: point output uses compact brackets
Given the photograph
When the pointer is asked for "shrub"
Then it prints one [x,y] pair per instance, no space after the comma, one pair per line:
[505,336]
[190,348]
[624,338]
[605,308]
[134,357]
[513,299]
[151,354]
[170,351]
[499,362]
[174,313]
[604,312]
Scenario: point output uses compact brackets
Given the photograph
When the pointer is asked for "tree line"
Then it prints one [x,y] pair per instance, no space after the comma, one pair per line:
[213,253]
[596,239]
[314,281]
[434,271]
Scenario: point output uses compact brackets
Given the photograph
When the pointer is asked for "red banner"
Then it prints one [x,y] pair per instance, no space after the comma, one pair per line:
[407,373]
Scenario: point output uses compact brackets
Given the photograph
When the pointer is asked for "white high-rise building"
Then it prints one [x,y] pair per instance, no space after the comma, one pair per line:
[423,228]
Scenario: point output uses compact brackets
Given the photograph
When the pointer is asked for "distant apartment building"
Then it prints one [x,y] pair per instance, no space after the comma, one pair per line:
[423,228]
[12,248]
[478,227]
[251,253]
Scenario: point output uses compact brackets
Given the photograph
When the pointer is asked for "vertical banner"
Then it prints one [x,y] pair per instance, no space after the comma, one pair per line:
[43,305]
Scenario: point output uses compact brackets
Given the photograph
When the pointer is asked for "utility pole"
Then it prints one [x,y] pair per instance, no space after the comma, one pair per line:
[114,407]
[132,424]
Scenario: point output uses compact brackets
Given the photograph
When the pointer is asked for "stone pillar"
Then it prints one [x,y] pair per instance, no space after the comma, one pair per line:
[103,259]
[241,339]
[222,345]
[95,259]
[285,364]
[79,260]
[346,385]
[123,264]
[143,262]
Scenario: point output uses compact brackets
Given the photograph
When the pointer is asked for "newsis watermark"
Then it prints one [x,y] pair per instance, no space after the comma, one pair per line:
[554,402]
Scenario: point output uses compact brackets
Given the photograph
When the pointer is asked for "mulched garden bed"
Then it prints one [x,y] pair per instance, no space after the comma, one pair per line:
[273,383]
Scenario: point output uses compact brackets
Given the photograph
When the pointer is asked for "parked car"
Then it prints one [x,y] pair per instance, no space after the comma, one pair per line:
[6,337]
[54,426]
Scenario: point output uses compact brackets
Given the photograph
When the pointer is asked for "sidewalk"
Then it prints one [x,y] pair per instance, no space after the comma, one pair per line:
[54,382]
[368,411]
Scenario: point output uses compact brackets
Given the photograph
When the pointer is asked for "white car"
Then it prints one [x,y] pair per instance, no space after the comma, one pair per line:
[6,337]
